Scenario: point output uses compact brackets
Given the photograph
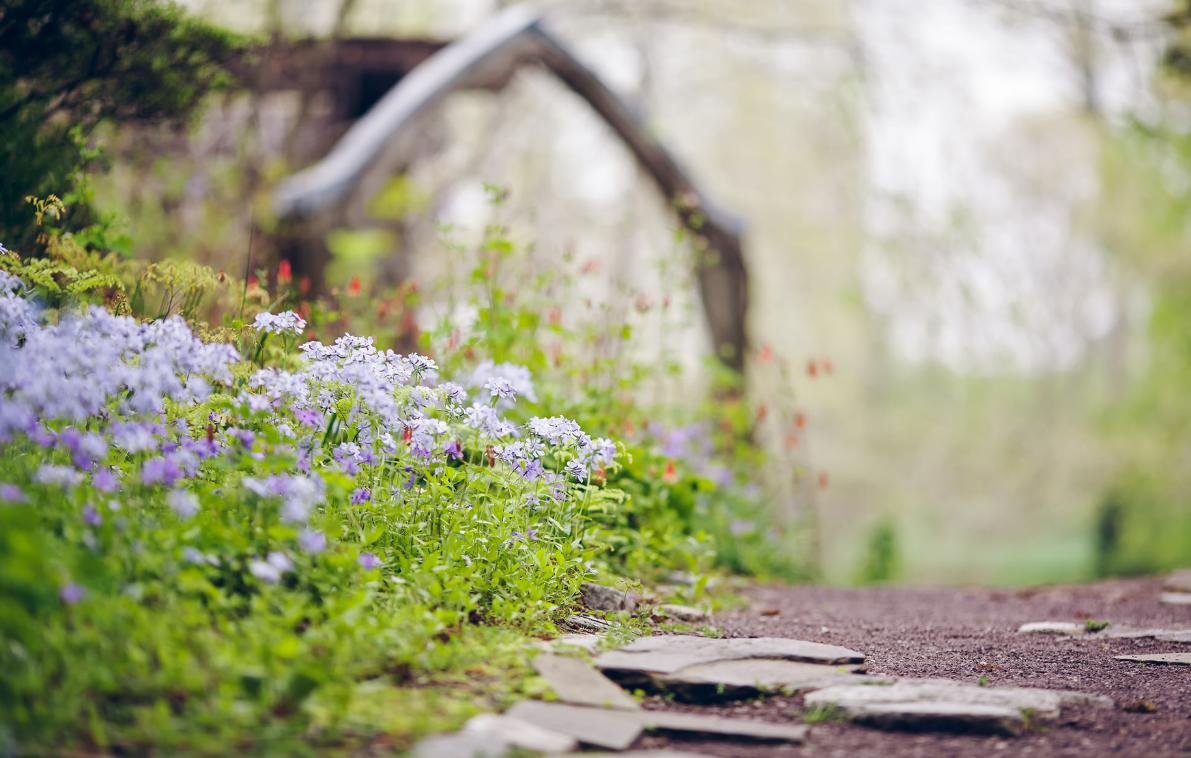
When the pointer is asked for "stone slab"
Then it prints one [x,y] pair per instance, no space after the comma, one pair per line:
[1174,637]
[587,642]
[1042,703]
[939,716]
[666,654]
[616,730]
[1175,634]
[696,723]
[1173,659]
[1178,581]
[1069,628]
[1175,598]
[576,682]
[598,727]
[685,613]
[460,745]
[518,733]
[581,622]
[598,597]
[637,754]
[747,677]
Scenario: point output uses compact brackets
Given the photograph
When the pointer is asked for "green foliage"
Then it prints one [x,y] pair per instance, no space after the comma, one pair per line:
[882,555]
[67,66]
[1143,522]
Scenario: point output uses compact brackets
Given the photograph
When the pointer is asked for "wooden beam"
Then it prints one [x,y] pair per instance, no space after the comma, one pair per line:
[517,37]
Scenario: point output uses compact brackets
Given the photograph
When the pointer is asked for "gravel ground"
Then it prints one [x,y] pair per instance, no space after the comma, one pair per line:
[964,634]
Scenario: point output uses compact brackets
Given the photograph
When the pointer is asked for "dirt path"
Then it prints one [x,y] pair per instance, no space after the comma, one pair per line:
[966,634]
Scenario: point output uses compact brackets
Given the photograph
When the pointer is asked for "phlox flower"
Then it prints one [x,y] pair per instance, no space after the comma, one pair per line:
[184,502]
[312,542]
[280,323]
[54,474]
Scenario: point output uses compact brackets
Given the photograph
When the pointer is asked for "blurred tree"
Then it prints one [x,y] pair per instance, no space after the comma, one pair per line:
[67,66]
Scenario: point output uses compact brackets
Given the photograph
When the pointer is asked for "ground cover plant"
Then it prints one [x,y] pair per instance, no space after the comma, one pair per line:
[240,537]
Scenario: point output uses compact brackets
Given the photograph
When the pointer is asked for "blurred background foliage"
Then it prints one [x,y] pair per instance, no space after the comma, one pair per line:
[968,241]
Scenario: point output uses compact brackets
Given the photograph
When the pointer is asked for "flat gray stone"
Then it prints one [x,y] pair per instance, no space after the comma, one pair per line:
[1175,598]
[1174,637]
[939,716]
[637,754]
[694,723]
[747,677]
[1180,634]
[587,642]
[460,745]
[598,727]
[1173,659]
[616,730]
[1069,628]
[518,733]
[666,654]
[597,597]
[581,622]
[1042,703]
[1178,581]
[685,613]
[576,682]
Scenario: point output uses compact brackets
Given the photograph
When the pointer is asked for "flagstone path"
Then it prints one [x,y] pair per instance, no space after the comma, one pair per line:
[885,672]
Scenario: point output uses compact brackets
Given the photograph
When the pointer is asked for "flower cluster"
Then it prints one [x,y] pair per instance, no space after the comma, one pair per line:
[279,323]
[124,404]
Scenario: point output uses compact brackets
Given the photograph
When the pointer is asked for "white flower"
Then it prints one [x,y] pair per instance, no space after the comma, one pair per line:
[286,321]
[63,476]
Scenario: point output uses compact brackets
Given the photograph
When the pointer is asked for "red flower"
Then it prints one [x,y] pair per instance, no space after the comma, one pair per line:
[285,273]
[670,476]
[354,286]
[800,420]
[812,369]
[823,480]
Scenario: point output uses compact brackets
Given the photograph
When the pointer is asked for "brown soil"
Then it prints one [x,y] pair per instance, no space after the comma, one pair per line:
[964,634]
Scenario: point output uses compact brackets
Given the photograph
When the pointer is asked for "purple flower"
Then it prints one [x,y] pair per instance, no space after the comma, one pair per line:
[160,470]
[91,516]
[576,469]
[244,436]
[11,493]
[194,555]
[309,417]
[453,450]
[272,568]
[71,593]
[361,495]
[104,480]
[184,503]
[368,561]
[500,389]
[286,321]
[62,476]
[312,542]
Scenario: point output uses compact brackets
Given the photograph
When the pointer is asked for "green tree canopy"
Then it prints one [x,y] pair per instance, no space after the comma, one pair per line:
[68,65]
